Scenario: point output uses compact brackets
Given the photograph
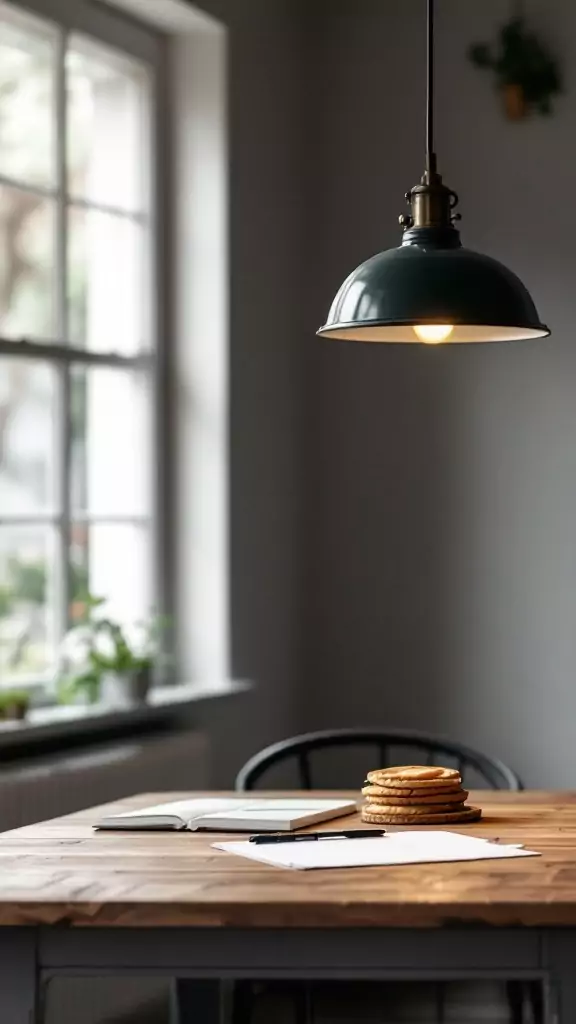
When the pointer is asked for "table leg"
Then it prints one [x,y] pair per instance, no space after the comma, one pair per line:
[196,1002]
[560,960]
[19,1002]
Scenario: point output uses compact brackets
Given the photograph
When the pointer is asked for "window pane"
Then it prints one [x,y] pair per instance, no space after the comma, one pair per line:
[107,306]
[27,247]
[107,101]
[27,646]
[110,469]
[27,437]
[114,562]
[27,98]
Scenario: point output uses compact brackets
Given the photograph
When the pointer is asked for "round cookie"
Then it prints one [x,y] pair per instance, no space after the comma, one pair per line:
[375,796]
[414,776]
[443,818]
[406,793]
[411,811]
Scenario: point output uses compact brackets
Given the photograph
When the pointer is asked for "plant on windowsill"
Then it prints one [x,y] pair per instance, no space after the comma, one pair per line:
[14,705]
[527,75]
[110,663]
[125,676]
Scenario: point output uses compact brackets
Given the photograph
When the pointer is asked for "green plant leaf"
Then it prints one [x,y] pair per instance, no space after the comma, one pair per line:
[480,55]
[20,698]
[86,682]
[522,59]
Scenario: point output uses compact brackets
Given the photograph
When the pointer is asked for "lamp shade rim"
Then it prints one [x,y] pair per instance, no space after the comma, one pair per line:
[464,332]
[328,328]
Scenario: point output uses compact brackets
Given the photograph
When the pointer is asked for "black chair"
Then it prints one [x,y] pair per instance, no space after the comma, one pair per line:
[381,745]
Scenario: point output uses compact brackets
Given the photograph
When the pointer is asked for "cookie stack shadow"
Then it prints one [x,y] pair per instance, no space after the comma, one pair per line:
[416,795]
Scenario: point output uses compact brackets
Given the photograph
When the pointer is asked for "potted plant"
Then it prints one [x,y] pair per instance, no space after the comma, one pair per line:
[14,705]
[108,662]
[526,73]
[125,672]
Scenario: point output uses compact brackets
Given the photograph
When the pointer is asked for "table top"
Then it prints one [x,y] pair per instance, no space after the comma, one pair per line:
[61,871]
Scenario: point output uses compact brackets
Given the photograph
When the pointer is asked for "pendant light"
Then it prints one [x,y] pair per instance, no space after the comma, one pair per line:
[431,289]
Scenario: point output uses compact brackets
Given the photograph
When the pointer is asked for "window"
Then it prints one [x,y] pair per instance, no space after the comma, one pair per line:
[77,346]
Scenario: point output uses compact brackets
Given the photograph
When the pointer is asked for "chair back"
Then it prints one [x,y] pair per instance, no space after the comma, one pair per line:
[380,743]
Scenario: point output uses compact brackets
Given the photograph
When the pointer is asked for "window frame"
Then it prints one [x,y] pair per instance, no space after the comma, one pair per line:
[128,37]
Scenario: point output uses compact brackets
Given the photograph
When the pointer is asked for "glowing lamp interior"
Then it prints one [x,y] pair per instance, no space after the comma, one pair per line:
[433,334]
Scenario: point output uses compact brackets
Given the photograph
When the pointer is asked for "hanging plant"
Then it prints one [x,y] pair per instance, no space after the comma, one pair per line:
[526,73]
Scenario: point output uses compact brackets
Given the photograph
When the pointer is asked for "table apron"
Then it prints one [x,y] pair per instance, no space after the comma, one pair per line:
[304,953]
[30,957]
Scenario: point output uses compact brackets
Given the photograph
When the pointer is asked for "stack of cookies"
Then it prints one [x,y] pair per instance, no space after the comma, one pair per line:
[416,795]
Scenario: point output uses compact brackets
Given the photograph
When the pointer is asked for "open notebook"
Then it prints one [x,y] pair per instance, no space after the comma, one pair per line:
[231,814]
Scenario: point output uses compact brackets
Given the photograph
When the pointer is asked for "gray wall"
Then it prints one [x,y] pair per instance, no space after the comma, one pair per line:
[441,485]
[402,521]
[267,216]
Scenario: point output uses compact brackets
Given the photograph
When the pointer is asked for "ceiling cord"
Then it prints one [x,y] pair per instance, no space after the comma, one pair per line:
[430,154]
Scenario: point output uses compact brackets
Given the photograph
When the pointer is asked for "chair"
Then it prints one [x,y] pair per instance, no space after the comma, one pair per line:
[427,749]
[380,744]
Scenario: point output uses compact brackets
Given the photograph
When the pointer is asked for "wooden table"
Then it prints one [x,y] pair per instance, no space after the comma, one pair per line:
[74,901]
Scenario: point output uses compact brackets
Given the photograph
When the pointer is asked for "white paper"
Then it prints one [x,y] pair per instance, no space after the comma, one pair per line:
[392,849]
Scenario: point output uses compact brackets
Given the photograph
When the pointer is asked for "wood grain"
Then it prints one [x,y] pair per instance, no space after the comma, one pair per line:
[62,872]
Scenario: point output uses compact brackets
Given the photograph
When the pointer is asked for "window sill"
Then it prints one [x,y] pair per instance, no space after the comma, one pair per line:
[74,725]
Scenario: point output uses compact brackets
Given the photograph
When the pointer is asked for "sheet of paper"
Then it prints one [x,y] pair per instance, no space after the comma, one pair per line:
[391,849]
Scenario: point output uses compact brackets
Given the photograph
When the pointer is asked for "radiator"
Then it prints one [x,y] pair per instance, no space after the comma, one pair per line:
[55,784]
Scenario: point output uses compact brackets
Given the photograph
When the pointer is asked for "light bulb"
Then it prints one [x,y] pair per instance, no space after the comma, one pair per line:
[433,334]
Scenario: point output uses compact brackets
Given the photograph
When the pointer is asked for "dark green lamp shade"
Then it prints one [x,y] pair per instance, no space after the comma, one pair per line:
[393,293]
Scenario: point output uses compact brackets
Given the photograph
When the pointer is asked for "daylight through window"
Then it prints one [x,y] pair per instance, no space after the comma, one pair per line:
[76,339]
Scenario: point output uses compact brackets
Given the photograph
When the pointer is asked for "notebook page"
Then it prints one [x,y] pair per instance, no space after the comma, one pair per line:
[241,807]
[392,849]
[186,809]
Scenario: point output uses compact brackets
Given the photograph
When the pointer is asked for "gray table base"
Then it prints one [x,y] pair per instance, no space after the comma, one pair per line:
[30,957]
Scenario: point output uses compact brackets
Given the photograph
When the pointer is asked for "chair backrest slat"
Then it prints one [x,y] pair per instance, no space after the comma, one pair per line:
[304,771]
[429,749]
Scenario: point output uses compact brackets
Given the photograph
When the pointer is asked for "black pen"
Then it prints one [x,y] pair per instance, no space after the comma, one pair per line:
[310,837]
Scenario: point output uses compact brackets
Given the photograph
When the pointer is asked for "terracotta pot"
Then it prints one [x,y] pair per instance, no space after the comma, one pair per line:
[514,101]
[13,712]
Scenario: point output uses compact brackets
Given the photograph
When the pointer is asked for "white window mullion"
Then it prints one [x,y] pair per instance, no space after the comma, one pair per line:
[61,176]
[25,186]
[62,581]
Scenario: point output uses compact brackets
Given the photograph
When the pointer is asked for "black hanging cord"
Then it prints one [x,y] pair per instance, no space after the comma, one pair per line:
[430,154]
